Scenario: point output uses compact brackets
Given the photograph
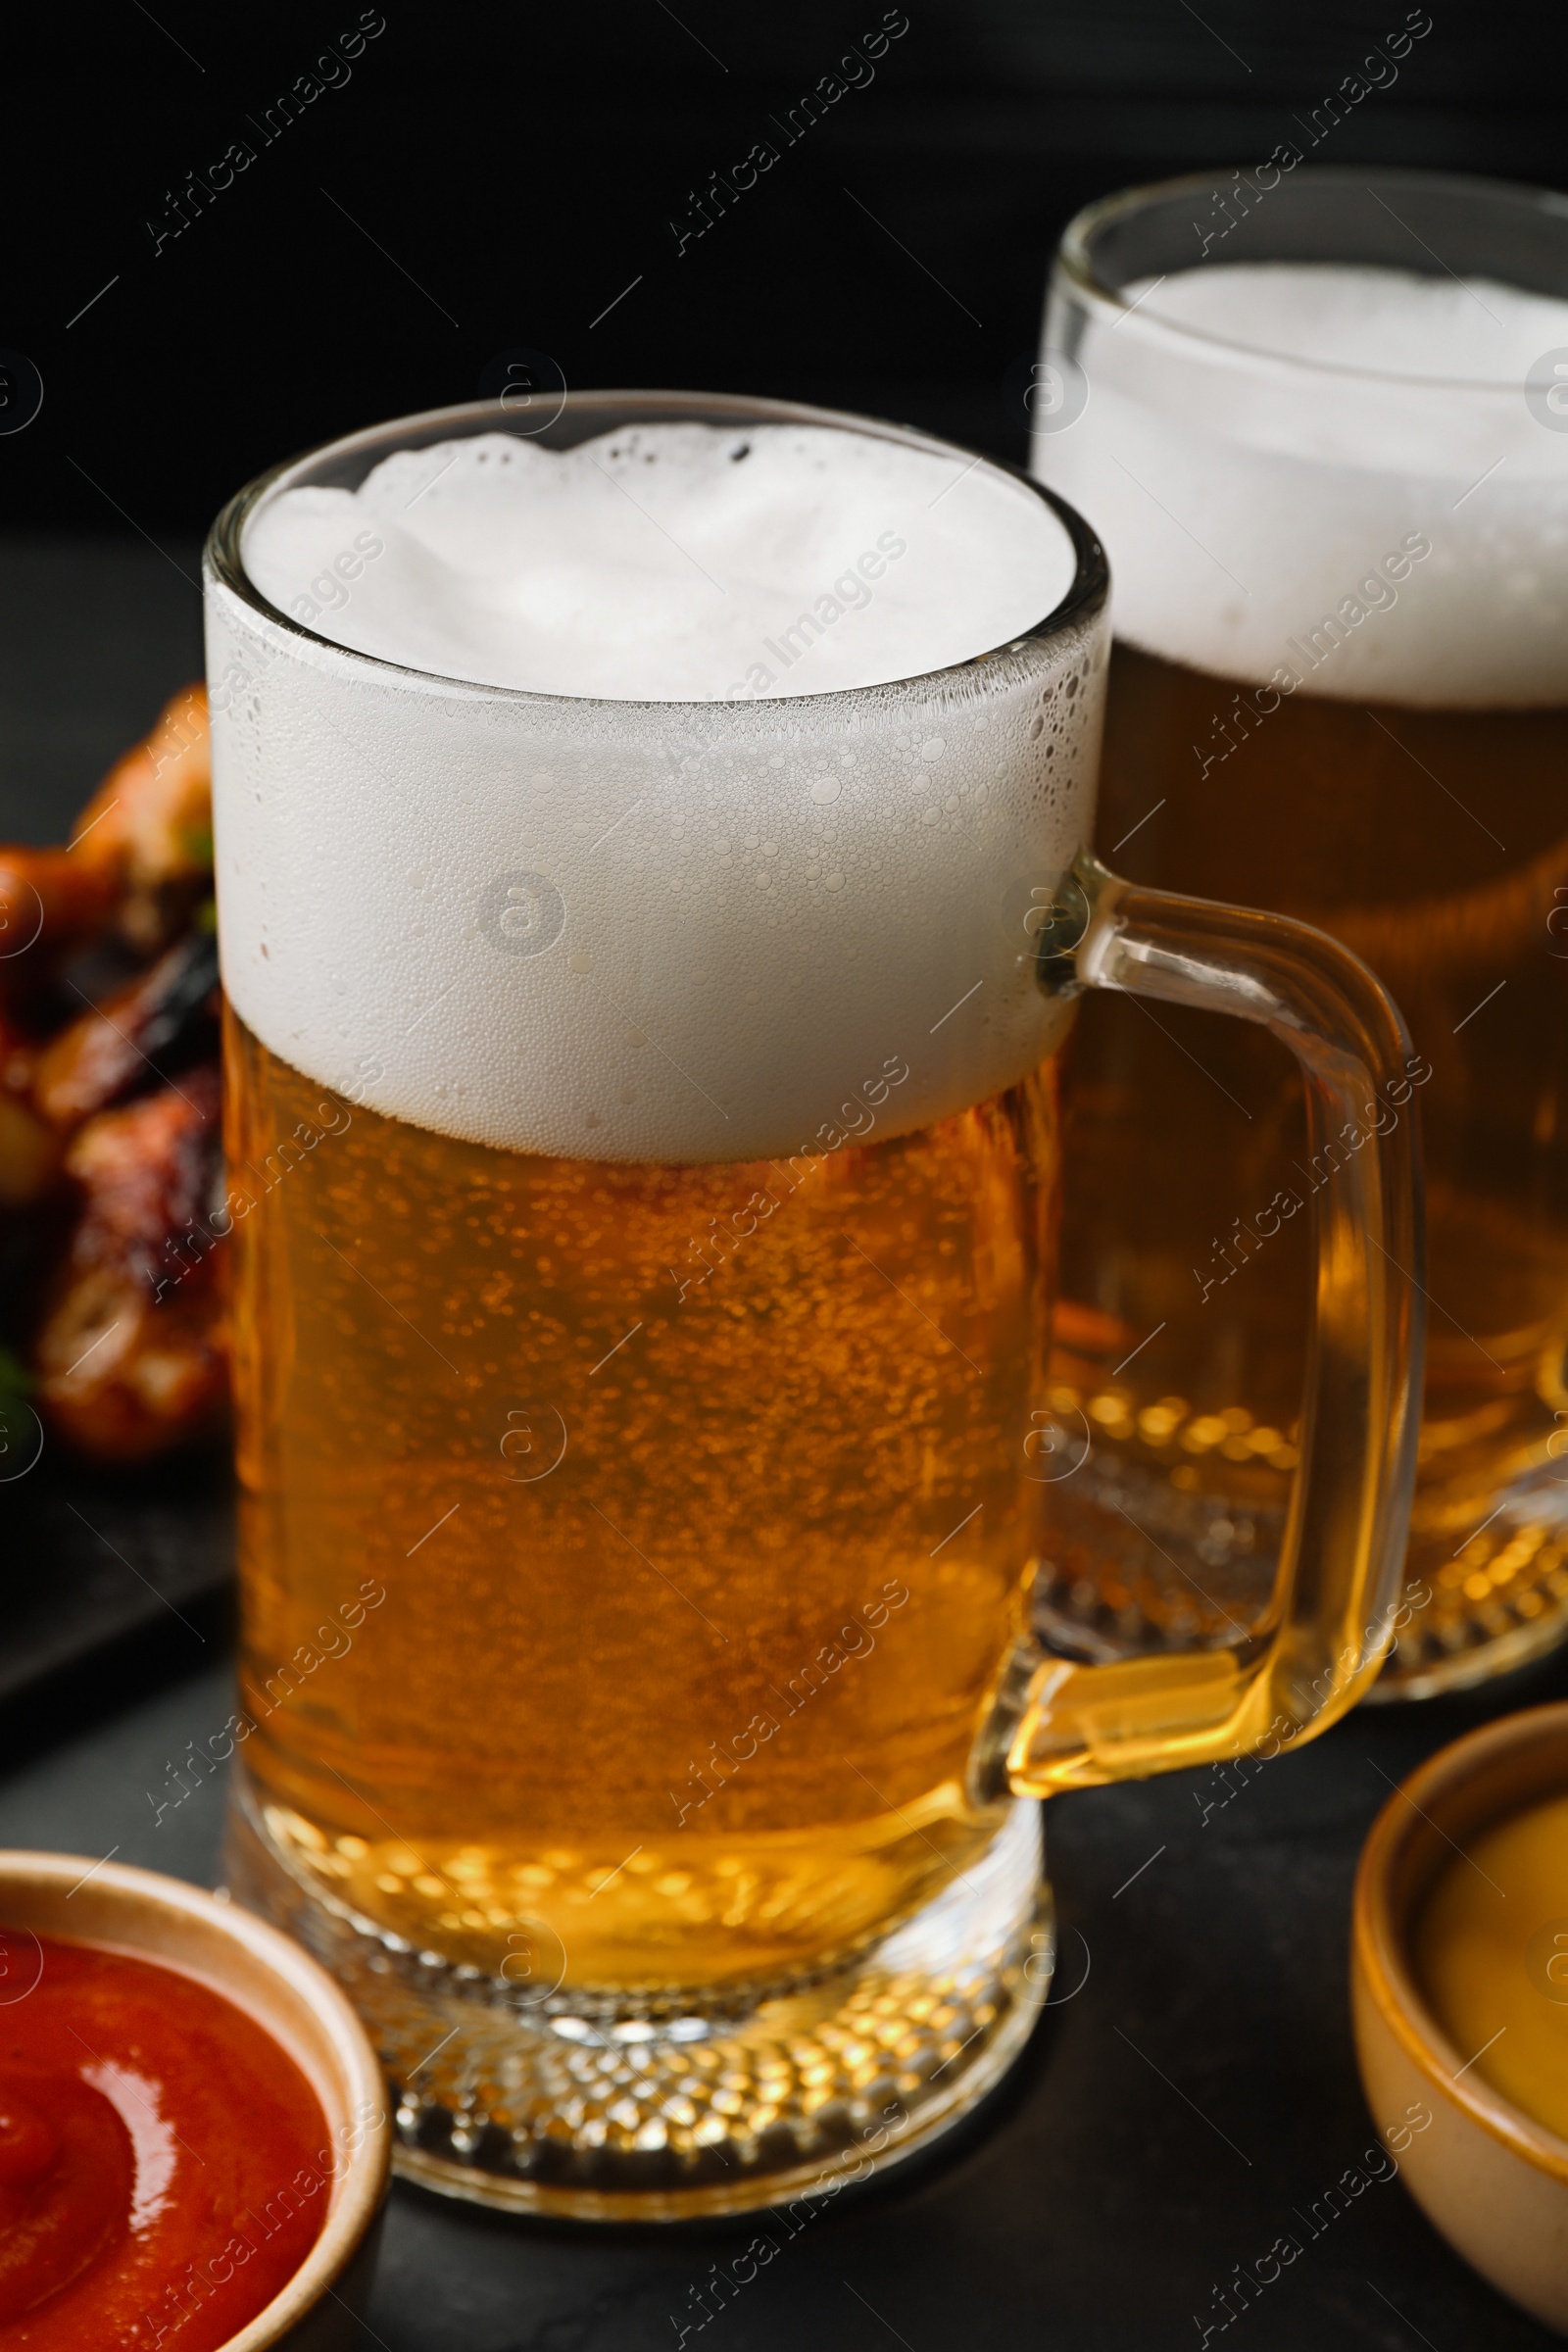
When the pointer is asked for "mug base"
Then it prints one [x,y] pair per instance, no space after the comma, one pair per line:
[581,2113]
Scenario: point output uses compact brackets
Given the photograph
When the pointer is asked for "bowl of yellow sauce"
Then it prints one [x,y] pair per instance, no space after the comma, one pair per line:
[1460,1989]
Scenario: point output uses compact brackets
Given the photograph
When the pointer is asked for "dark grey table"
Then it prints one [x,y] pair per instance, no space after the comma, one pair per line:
[1166,2123]
[1169,2117]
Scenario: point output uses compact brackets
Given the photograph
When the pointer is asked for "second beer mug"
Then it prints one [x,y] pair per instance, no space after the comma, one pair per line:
[651,921]
[1326,440]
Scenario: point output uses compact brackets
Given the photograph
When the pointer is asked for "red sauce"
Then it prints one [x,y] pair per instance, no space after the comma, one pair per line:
[165,2167]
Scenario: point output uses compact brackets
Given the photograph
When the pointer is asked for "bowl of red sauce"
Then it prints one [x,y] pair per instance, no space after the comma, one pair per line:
[194,2143]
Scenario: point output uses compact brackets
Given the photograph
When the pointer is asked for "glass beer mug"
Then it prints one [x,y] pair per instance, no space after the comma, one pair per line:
[644,1157]
[1317,422]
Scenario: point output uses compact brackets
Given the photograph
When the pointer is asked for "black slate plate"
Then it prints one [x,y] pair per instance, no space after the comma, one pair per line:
[98,1558]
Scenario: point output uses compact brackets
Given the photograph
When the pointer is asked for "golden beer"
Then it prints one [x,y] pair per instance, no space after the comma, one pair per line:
[1188,1160]
[698,1496]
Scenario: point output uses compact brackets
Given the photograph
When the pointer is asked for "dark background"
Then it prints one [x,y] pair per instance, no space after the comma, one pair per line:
[490,178]
[509,170]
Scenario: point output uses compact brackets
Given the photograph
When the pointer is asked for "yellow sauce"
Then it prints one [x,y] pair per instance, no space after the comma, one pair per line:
[1491,1952]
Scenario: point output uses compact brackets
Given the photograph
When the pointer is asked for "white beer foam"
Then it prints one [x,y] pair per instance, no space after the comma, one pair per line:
[1473,330]
[700,930]
[667,562]
[1270,447]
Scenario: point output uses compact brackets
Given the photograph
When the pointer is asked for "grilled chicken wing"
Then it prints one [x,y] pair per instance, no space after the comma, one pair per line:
[109,1099]
[135,1034]
[149,826]
[131,1356]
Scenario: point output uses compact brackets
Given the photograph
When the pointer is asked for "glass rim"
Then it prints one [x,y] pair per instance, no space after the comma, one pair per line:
[1074,262]
[1087,594]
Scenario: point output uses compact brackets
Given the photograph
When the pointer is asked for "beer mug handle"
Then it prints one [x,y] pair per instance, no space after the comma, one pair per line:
[1328,1623]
